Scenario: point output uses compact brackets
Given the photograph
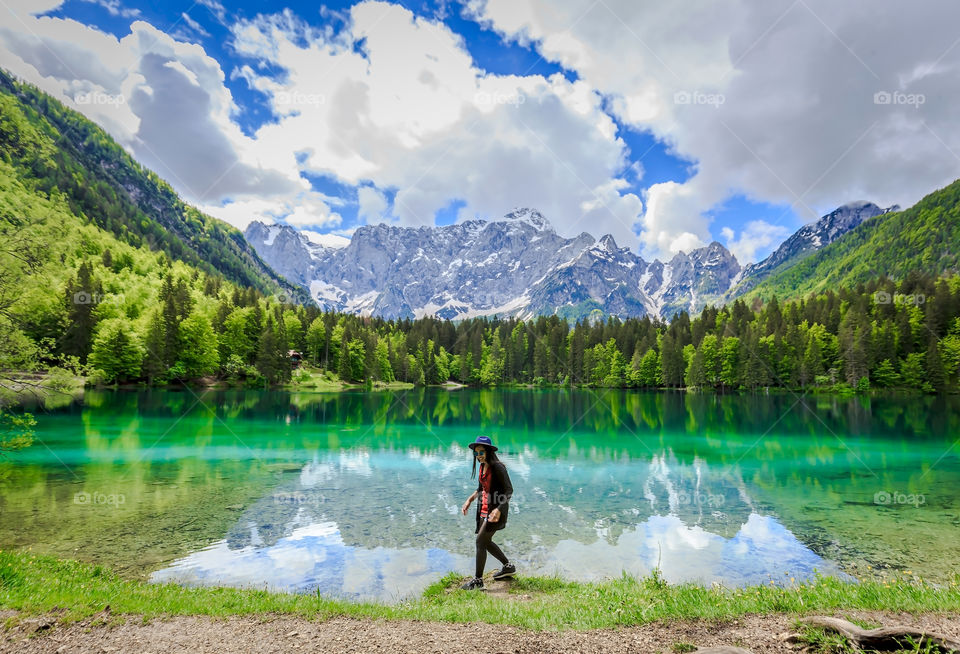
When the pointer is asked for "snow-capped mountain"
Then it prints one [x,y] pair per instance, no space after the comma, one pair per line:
[806,240]
[514,266]
[520,266]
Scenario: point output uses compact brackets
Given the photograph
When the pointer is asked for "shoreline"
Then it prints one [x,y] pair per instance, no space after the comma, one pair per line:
[38,393]
[49,604]
[35,585]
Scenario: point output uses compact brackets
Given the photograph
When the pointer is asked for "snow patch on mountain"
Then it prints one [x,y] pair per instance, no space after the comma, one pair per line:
[272,232]
[518,266]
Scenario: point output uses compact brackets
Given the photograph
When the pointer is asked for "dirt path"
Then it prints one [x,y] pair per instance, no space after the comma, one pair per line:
[201,635]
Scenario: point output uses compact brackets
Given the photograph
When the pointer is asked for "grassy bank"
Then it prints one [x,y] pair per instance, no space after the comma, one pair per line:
[38,584]
[308,378]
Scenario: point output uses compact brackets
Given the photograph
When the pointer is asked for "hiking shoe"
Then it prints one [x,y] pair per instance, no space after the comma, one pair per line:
[504,572]
[474,584]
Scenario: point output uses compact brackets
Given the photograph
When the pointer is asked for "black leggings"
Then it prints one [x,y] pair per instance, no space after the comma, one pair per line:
[485,544]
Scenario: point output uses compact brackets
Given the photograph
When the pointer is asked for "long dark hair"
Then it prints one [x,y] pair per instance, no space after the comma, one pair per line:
[491,457]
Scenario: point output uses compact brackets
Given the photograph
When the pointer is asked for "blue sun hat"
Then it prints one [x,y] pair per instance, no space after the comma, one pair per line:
[485,441]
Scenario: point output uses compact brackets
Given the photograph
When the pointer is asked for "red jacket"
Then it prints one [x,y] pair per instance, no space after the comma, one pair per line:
[500,492]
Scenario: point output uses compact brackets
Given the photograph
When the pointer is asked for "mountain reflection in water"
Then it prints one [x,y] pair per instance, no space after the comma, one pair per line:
[385,525]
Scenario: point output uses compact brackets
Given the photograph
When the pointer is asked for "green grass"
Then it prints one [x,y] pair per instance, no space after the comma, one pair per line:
[35,584]
[310,378]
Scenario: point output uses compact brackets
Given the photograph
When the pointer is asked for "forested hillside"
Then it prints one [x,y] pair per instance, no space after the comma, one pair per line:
[73,295]
[93,283]
[925,237]
[53,149]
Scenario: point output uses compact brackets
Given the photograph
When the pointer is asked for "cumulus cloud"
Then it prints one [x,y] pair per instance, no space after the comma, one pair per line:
[393,102]
[373,204]
[305,209]
[408,111]
[802,104]
[756,235]
[164,100]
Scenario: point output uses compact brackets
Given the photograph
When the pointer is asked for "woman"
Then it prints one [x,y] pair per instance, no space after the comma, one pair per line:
[494,491]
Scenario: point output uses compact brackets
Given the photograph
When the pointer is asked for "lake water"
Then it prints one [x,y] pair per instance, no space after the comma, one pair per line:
[357,494]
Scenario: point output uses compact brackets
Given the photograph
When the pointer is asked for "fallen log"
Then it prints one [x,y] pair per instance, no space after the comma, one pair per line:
[883,638]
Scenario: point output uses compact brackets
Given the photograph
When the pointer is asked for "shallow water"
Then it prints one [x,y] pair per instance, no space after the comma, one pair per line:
[357,494]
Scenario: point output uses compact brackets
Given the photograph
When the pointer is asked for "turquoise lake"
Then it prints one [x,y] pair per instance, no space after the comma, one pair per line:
[357,494]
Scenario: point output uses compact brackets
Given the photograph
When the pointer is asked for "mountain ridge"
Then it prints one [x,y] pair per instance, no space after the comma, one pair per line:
[395,271]
[805,241]
[921,238]
[385,270]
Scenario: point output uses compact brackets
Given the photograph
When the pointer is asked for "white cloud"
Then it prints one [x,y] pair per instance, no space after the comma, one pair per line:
[21,8]
[774,101]
[215,8]
[373,204]
[194,25]
[411,113]
[391,102]
[162,99]
[114,8]
[672,221]
[306,209]
[757,235]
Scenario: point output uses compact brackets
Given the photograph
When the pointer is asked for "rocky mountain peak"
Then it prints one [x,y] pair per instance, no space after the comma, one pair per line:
[608,243]
[518,265]
[808,239]
[714,255]
[530,216]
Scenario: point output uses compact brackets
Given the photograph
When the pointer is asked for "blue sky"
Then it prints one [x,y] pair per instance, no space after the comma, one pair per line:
[666,128]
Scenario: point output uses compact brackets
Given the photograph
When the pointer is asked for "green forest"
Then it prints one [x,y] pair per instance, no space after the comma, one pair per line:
[97,285]
[119,314]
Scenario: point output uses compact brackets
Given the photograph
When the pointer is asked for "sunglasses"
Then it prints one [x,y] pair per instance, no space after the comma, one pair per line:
[478,452]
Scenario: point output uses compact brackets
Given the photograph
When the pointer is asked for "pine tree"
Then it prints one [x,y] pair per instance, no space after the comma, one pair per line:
[344,368]
[356,358]
[730,362]
[911,370]
[272,361]
[933,363]
[885,375]
[197,347]
[154,366]
[812,364]
[710,359]
[617,366]
[382,369]
[235,338]
[671,355]
[82,295]
[294,330]
[756,373]
[634,371]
